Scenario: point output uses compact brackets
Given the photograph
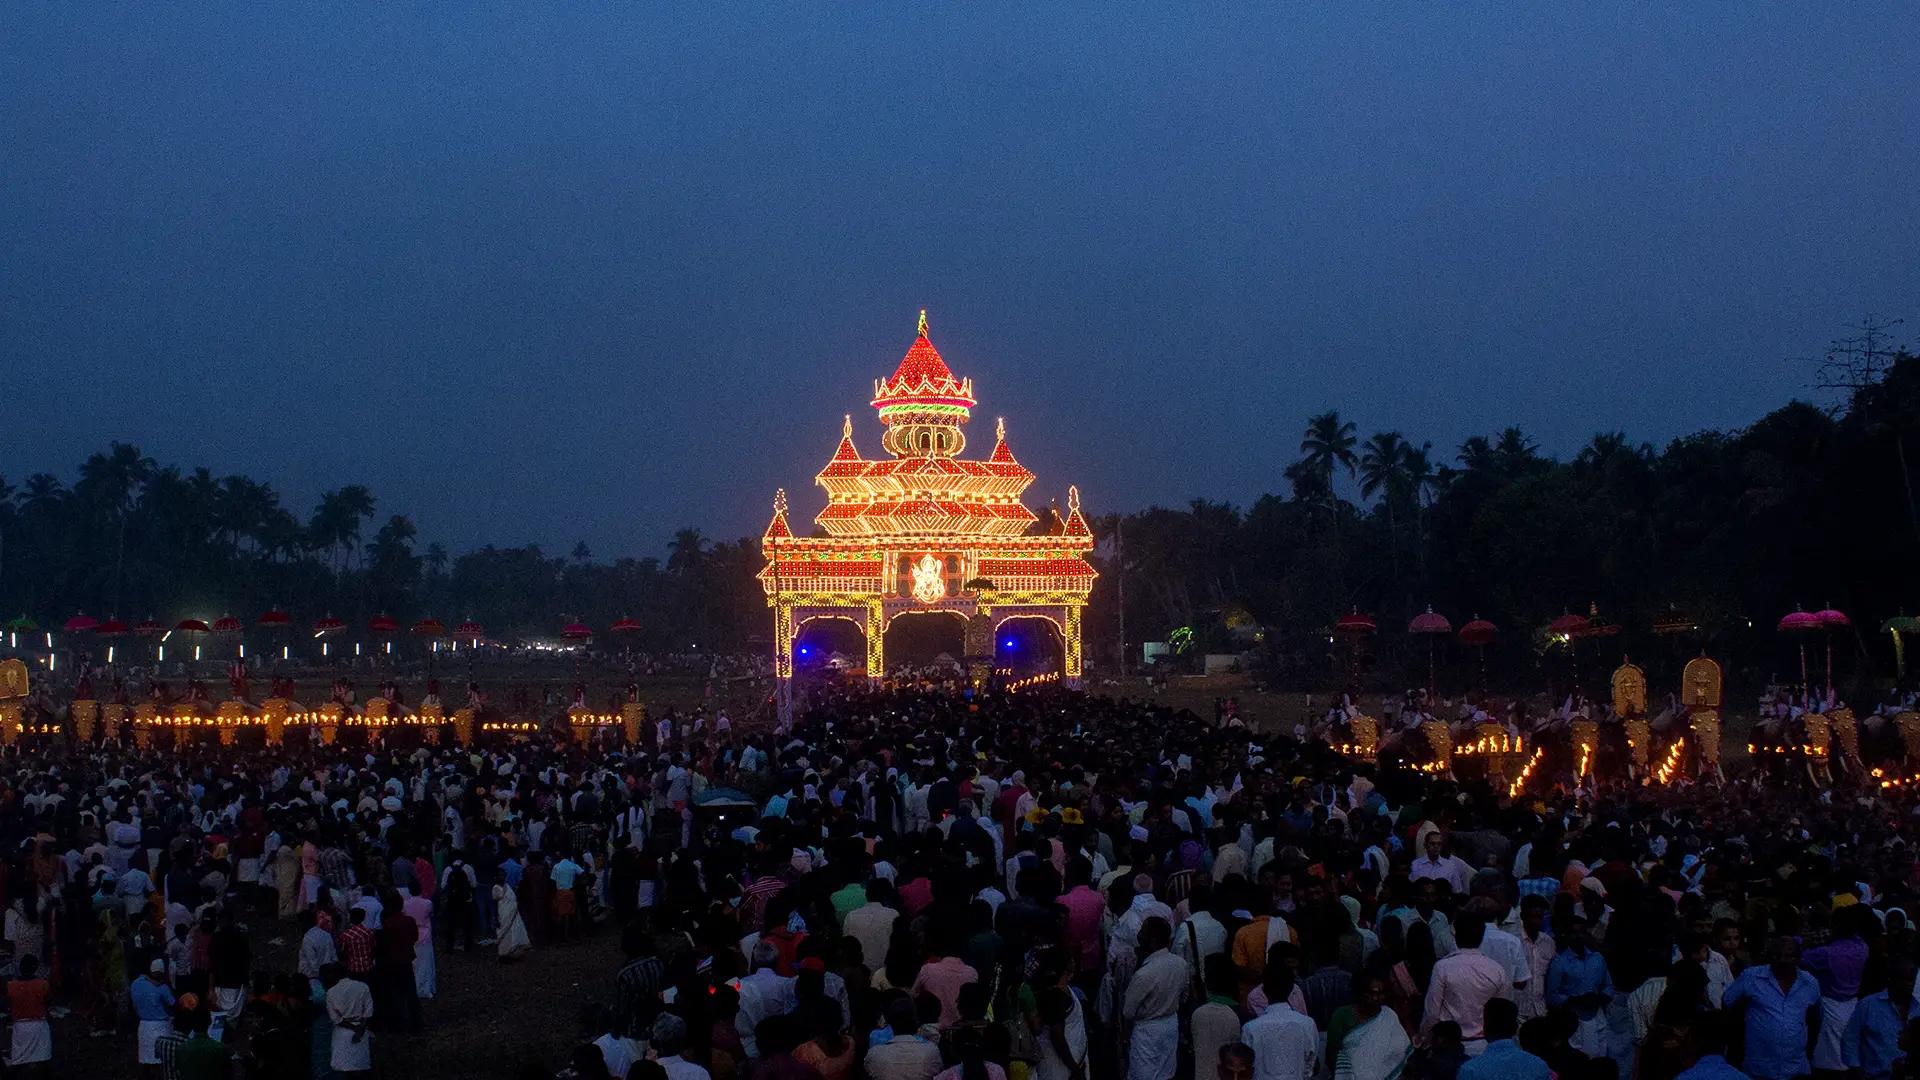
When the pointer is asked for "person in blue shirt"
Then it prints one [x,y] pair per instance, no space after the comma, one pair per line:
[1503,1059]
[1578,980]
[1781,1013]
[1871,1043]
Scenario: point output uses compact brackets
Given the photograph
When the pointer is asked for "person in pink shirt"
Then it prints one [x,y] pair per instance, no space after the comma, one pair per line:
[943,977]
[1085,906]
[419,908]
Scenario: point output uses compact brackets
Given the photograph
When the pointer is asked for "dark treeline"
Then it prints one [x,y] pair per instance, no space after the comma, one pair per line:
[132,537]
[1805,507]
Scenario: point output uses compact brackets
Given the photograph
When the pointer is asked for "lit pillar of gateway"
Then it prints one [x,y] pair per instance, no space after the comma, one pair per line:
[926,530]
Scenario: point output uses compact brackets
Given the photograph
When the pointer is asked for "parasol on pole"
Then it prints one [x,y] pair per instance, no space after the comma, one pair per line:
[430,630]
[192,628]
[229,627]
[324,625]
[1829,620]
[18,625]
[470,632]
[1900,624]
[384,626]
[149,628]
[279,624]
[110,628]
[625,627]
[1479,633]
[1800,623]
[1430,624]
[1355,627]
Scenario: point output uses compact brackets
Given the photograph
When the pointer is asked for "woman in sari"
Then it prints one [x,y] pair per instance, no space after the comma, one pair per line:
[512,933]
[1366,1040]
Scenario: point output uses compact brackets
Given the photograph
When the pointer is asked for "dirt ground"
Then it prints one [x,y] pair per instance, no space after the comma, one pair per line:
[489,1020]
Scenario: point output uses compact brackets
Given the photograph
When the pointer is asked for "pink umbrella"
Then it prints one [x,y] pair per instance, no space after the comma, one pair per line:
[80,623]
[625,626]
[1802,622]
[469,631]
[576,631]
[1432,624]
[383,624]
[110,627]
[1829,619]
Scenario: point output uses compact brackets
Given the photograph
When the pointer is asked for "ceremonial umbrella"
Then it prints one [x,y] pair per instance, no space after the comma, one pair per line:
[149,628]
[279,624]
[1830,620]
[384,625]
[324,625]
[1800,623]
[1354,627]
[1479,633]
[191,627]
[1354,623]
[1674,622]
[469,631]
[229,627]
[1431,624]
[577,631]
[80,623]
[110,628]
[625,626]
[430,630]
[1569,625]
[1900,624]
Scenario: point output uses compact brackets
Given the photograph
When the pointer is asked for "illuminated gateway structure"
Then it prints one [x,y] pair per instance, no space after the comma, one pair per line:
[926,531]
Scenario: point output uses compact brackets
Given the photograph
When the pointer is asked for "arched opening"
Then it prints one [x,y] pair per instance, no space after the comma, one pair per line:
[829,644]
[1028,645]
[921,641]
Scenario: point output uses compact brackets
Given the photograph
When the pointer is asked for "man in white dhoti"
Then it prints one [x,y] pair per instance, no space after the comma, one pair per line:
[153,1007]
[350,1009]
[1151,1007]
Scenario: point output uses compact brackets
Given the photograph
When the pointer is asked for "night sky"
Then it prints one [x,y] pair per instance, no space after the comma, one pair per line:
[534,273]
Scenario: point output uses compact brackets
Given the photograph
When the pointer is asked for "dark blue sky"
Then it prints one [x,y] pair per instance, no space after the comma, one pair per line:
[539,274]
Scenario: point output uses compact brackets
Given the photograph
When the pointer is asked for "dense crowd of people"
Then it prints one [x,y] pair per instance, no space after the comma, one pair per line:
[920,883]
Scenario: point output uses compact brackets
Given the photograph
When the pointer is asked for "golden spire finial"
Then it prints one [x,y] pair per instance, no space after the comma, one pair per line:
[780,500]
[1000,428]
[923,322]
[846,426]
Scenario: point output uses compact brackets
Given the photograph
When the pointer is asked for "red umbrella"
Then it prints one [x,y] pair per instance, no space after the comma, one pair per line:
[327,624]
[469,630]
[1354,623]
[276,620]
[1570,624]
[429,628]
[193,626]
[1479,632]
[576,631]
[383,624]
[80,623]
[1432,624]
[226,624]
[625,626]
[110,627]
[149,627]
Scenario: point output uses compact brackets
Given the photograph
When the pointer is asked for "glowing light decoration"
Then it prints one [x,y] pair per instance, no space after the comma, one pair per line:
[929,586]
[925,527]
